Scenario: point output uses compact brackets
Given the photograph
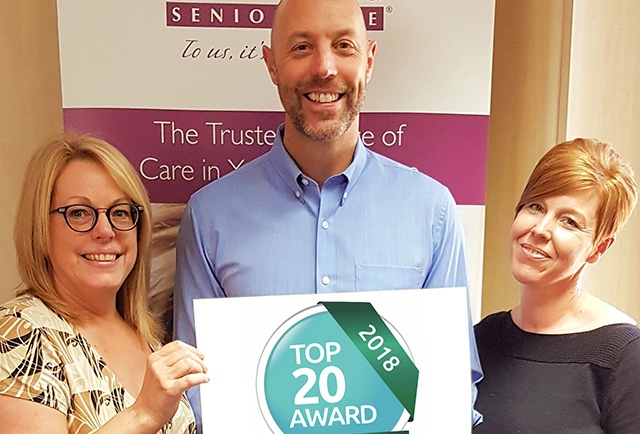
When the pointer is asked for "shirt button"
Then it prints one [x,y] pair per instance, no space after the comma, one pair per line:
[298,194]
[326,280]
[325,224]
[305,181]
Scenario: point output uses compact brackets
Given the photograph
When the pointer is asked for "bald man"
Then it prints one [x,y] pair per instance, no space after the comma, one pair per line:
[319,212]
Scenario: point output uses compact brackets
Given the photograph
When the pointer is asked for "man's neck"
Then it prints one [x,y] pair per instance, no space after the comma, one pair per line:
[321,160]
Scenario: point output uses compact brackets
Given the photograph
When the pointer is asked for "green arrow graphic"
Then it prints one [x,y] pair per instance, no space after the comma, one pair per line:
[368,331]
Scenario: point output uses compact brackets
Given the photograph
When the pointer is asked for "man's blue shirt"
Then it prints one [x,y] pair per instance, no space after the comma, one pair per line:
[267,229]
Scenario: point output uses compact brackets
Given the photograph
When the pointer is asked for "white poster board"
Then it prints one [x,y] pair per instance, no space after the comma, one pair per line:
[238,335]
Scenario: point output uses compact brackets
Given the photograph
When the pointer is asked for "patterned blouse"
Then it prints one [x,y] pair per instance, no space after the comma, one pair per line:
[44,359]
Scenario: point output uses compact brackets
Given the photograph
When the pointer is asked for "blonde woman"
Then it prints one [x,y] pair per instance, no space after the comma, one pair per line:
[79,350]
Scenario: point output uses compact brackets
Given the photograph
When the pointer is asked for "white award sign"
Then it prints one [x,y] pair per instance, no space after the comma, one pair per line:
[346,363]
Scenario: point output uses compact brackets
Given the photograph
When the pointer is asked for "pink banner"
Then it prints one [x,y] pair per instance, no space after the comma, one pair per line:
[178,151]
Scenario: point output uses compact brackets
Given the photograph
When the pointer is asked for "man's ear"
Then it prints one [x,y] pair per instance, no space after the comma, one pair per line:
[371,54]
[270,61]
[601,250]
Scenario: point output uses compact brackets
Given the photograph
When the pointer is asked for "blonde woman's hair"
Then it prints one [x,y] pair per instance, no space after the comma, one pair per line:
[586,164]
[31,231]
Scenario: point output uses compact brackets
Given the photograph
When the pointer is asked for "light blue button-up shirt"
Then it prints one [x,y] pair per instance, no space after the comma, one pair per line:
[267,229]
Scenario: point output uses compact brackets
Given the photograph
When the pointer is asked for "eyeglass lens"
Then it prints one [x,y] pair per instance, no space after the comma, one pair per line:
[122,217]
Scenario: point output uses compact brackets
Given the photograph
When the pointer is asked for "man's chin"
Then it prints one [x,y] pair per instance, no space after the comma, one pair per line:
[325,130]
[323,134]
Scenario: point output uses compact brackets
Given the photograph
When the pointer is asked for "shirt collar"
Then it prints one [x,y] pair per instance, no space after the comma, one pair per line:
[290,173]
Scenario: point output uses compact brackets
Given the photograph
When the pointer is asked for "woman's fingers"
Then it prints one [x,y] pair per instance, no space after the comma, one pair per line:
[178,361]
[171,370]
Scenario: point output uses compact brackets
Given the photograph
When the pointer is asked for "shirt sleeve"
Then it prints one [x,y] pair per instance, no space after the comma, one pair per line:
[449,269]
[31,366]
[194,278]
[448,266]
[621,404]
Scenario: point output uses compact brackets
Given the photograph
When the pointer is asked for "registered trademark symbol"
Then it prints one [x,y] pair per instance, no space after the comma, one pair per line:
[389,9]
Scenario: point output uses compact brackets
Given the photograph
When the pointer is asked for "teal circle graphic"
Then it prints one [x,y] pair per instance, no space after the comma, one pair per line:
[312,379]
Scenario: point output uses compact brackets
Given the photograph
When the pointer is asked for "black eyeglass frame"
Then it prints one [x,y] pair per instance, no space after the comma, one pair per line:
[63,210]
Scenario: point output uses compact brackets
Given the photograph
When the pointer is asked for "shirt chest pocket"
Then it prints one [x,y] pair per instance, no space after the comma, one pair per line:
[384,277]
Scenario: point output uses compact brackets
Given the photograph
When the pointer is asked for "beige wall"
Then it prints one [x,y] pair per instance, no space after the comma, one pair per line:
[604,102]
[526,119]
[562,69]
[30,107]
